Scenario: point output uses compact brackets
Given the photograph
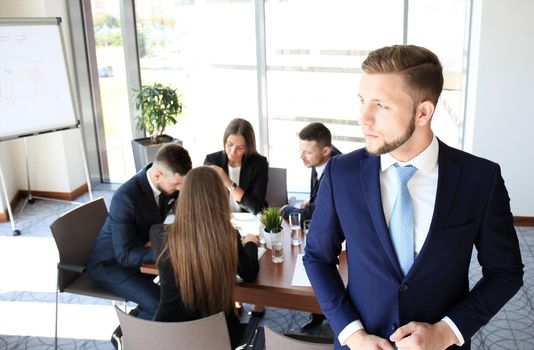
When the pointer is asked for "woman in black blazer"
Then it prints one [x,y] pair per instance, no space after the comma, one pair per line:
[242,169]
[200,254]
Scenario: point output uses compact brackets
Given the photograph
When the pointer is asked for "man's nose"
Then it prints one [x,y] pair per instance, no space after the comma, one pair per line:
[366,115]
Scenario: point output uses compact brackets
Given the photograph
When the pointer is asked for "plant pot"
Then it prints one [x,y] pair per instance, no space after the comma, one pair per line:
[267,237]
[144,150]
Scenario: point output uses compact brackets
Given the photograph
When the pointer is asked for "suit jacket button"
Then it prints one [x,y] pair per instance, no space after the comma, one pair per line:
[403,288]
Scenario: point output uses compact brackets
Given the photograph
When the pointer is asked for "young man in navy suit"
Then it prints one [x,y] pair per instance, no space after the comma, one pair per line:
[123,244]
[410,209]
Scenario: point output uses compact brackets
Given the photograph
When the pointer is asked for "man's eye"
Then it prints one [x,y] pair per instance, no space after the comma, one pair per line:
[380,105]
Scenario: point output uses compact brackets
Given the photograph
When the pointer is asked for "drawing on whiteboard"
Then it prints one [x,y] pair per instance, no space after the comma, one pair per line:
[35,93]
[25,80]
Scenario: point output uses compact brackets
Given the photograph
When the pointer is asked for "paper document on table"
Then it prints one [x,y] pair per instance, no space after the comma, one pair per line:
[300,278]
[261,251]
[246,223]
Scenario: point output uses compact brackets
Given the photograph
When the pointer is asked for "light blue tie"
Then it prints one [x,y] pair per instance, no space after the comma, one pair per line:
[401,221]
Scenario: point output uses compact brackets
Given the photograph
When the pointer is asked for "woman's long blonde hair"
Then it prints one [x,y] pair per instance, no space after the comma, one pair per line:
[202,244]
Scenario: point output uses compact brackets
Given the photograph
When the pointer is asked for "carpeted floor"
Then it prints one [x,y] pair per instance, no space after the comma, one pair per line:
[27,294]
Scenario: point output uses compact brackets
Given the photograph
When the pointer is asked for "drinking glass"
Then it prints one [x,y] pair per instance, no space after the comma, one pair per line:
[277,245]
[294,223]
[262,230]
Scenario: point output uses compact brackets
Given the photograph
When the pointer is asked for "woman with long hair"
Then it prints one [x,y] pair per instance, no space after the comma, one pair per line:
[242,169]
[201,253]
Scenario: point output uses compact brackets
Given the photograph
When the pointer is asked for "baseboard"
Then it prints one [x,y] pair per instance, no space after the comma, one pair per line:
[66,196]
[525,221]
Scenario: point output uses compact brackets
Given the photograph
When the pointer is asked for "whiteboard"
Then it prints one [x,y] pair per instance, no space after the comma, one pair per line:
[35,93]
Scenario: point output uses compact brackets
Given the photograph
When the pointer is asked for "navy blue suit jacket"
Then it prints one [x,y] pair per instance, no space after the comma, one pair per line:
[253,178]
[119,249]
[471,209]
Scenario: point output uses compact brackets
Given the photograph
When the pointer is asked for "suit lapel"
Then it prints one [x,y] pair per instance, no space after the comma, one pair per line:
[370,177]
[448,176]
[148,195]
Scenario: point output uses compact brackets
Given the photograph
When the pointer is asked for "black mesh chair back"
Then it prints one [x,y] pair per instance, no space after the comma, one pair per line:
[75,233]
[276,195]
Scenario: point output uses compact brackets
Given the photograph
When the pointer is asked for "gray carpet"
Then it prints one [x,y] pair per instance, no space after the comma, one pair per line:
[27,310]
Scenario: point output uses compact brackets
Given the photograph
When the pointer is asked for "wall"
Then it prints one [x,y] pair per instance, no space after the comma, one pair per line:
[500,112]
[55,159]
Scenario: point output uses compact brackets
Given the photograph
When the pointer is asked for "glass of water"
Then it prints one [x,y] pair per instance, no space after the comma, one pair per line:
[294,223]
[277,245]
[262,237]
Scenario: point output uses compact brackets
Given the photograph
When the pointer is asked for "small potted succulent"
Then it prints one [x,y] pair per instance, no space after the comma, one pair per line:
[271,219]
[157,107]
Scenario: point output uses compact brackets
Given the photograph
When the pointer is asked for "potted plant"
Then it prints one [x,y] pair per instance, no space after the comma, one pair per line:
[271,219]
[157,106]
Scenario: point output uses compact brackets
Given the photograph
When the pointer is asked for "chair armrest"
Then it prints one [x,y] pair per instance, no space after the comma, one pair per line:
[71,267]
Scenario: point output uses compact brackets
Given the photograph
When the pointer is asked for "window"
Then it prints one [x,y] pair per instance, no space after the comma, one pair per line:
[213,51]
[116,120]
[208,52]
[314,53]
[442,26]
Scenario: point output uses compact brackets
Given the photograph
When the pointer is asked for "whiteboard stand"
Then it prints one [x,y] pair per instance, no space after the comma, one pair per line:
[16,232]
[30,199]
[36,94]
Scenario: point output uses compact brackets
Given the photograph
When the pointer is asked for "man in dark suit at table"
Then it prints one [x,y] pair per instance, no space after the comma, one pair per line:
[316,149]
[123,244]
[410,210]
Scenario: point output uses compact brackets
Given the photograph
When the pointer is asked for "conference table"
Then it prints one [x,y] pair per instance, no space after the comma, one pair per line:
[273,286]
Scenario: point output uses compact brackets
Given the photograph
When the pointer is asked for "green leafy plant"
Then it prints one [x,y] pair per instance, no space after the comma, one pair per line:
[271,217]
[158,106]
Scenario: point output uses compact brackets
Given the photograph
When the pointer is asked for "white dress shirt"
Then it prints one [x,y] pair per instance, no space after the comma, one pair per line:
[422,187]
[155,190]
[320,169]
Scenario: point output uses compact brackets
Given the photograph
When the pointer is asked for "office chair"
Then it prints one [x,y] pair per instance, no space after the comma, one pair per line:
[74,233]
[276,194]
[206,333]
[274,341]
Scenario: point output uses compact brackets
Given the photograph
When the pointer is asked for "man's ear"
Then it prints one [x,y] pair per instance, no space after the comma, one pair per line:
[157,174]
[424,113]
[327,151]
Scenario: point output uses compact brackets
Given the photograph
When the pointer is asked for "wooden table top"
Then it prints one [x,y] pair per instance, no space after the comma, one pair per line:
[273,286]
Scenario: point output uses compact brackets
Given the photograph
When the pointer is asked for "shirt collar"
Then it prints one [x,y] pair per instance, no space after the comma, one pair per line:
[425,161]
[320,168]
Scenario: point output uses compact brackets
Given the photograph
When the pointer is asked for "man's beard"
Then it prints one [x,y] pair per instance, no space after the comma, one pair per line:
[388,147]
[162,190]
